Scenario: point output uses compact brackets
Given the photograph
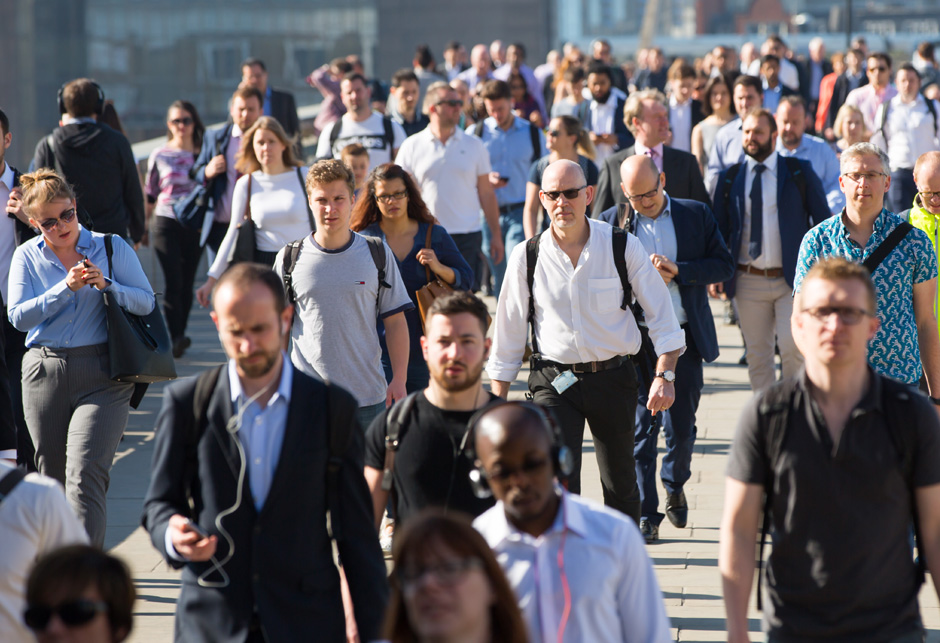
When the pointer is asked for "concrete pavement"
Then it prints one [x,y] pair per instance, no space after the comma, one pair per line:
[686,560]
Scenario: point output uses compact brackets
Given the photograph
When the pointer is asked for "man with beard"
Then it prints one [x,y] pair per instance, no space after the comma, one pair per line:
[241,460]
[424,466]
[763,213]
[602,115]
[794,141]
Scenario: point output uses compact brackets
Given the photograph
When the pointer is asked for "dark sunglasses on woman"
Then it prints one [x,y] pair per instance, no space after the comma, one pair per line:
[73,613]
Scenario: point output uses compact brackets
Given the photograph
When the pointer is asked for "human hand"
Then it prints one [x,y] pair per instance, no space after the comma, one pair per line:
[662,395]
[187,541]
[497,249]
[427,257]
[75,278]
[216,167]
[717,291]
[15,205]
[92,275]
[396,391]
[496,180]
[204,292]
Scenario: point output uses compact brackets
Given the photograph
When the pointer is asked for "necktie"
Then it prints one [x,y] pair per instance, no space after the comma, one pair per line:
[757,213]
[652,154]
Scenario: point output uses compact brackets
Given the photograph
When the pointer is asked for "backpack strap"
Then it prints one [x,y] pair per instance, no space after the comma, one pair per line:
[389,133]
[932,110]
[202,395]
[536,143]
[288,262]
[9,482]
[303,189]
[377,250]
[619,241]
[532,258]
[478,129]
[885,247]
[342,423]
[394,420]
[335,130]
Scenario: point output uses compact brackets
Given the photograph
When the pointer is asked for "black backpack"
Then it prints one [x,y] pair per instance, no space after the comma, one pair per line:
[292,251]
[883,116]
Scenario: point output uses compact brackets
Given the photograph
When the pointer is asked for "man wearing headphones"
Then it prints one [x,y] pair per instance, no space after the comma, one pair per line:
[579,569]
[96,160]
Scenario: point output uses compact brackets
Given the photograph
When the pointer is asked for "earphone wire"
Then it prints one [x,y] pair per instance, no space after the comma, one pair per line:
[565,588]
[233,426]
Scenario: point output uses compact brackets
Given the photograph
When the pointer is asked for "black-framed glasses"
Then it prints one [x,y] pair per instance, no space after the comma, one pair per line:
[389,198]
[568,194]
[927,196]
[65,218]
[186,120]
[73,613]
[635,198]
[856,177]
[447,572]
[847,314]
[453,102]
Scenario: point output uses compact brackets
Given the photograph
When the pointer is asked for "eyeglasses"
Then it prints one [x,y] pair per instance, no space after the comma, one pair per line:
[646,195]
[389,198]
[454,102]
[447,573]
[186,121]
[555,132]
[569,194]
[847,315]
[65,218]
[73,613]
[856,177]
[877,69]
[502,474]
[927,196]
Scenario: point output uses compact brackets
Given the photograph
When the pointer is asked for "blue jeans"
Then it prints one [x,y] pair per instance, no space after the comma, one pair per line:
[365,414]
[510,223]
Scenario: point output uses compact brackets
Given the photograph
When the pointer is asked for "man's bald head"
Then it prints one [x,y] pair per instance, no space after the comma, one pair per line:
[565,171]
[565,195]
[928,164]
[641,181]
[927,179]
[638,167]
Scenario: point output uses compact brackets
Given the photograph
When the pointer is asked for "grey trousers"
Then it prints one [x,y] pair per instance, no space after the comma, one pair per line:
[76,416]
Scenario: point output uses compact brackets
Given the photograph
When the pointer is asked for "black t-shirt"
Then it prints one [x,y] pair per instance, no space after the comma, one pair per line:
[840,568]
[429,471]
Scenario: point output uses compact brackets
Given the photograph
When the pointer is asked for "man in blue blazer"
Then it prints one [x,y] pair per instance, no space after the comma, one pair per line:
[684,244]
[791,200]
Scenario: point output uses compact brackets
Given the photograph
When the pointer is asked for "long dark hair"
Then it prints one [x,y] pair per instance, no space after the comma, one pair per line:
[198,128]
[367,210]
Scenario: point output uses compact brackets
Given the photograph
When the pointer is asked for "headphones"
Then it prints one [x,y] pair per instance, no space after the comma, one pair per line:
[99,104]
[562,458]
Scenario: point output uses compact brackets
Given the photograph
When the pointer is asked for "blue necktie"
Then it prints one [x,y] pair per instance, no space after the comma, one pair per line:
[757,213]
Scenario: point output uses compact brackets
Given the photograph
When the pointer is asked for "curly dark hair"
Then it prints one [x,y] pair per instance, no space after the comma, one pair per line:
[367,210]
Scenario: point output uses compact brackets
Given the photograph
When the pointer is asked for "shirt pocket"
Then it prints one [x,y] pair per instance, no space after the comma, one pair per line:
[605,295]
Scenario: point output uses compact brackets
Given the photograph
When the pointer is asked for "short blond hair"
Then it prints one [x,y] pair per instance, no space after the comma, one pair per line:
[329,171]
[633,107]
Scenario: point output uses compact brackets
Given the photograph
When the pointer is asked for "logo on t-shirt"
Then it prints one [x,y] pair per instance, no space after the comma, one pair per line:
[368,141]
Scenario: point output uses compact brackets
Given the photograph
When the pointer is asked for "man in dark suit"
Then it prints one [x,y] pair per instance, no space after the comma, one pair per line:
[647,116]
[685,246]
[765,245]
[277,103]
[242,486]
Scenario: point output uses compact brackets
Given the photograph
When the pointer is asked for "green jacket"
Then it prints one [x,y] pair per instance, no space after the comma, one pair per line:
[929,223]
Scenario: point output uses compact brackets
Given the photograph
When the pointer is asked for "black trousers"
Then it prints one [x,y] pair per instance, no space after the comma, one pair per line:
[607,400]
[178,251]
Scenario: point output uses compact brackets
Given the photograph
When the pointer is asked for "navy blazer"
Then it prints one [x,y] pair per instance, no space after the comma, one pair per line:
[624,136]
[702,258]
[282,567]
[214,142]
[794,219]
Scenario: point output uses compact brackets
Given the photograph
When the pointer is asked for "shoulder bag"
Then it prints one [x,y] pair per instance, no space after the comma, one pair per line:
[435,288]
[245,247]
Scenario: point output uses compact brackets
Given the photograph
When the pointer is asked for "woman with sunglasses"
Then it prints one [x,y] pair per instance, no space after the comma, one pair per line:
[74,412]
[565,139]
[176,246]
[448,587]
[271,190]
[80,594]
[392,208]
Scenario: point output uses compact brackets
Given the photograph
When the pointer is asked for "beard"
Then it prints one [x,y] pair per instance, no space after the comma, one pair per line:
[260,367]
[456,384]
[760,151]
[602,99]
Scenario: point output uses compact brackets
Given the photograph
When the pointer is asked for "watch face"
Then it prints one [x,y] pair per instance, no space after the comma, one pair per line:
[669,376]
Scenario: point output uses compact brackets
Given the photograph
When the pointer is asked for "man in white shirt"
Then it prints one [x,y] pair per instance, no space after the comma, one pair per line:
[452,169]
[379,134]
[584,333]
[906,128]
[684,111]
[774,45]
[579,570]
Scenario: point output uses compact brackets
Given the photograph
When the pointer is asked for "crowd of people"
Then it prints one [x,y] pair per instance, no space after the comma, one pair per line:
[602,205]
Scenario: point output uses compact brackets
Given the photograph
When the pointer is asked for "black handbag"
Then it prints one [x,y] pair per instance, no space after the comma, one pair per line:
[245,245]
[191,209]
[139,347]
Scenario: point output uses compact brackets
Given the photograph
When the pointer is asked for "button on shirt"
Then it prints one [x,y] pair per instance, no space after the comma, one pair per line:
[894,350]
[7,230]
[614,592]
[447,174]
[51,314]
[577,308]
[825,163]
[771,255]
[659,236]
[910,131]
[511,156]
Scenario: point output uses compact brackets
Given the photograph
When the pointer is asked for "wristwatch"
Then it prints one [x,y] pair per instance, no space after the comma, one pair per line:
[935,400]
[668,376]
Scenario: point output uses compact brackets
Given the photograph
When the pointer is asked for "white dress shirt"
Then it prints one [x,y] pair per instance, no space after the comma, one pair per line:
[577,308]
[7,230]
[771,254]
[680,120]
[909,131]
[602,122]
[613,589]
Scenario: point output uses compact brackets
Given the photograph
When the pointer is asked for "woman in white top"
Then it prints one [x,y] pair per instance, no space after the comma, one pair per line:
[278,204]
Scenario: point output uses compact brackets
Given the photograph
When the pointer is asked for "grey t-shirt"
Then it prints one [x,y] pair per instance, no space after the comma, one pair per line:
[334,334]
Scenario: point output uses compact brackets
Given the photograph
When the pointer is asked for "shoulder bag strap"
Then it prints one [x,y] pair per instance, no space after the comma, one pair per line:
[247,216]
[885,247]
[531,259]
[427,245]
[303,190]
[9,482]
[109,251]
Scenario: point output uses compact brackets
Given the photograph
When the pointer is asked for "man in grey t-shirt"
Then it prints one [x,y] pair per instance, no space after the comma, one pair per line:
[338,299]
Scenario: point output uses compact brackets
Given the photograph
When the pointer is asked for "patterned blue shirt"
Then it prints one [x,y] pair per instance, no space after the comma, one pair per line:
[894,350]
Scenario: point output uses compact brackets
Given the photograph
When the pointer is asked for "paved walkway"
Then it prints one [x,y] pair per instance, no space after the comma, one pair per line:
[686,560]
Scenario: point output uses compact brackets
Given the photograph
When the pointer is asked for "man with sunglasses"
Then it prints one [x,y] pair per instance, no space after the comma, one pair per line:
[584,333]
[842,460]
[879,89]
[903,267]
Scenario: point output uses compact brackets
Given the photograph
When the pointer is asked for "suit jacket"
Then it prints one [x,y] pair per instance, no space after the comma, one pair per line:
[794,219]
[282,568]
[702,258]
[624,137]
[804,69]
[284,109]
[839,91]
[214,142]
[683,179]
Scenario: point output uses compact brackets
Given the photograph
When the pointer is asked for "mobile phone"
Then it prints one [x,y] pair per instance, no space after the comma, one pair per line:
[85,261]
[504,178]
[199,530]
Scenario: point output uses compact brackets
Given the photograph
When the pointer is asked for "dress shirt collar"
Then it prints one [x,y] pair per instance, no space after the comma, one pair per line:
[642,149]
[283,389]
[877,228]
[7,177]
[517,123]
[770,163]
[666,213]
[675,104]
[570,517]
[236,131]
[75,120]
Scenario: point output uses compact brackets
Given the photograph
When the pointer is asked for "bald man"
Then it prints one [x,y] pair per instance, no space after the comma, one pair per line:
[924,215]
[584,335]
[685,246]
[546,538]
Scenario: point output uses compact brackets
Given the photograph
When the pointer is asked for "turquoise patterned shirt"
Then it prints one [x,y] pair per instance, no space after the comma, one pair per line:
[894,351]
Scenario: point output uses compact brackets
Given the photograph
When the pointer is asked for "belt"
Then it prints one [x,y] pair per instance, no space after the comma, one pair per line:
[583,367]
[770,273]
[506,209]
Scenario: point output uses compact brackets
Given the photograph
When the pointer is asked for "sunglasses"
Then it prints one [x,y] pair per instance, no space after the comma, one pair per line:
[569,194]
[73,613]
[555,133]
[65,218]
[186,120]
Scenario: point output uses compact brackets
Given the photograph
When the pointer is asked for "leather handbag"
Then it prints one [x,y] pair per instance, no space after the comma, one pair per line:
[434,289]
[139,346]
[245,246]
